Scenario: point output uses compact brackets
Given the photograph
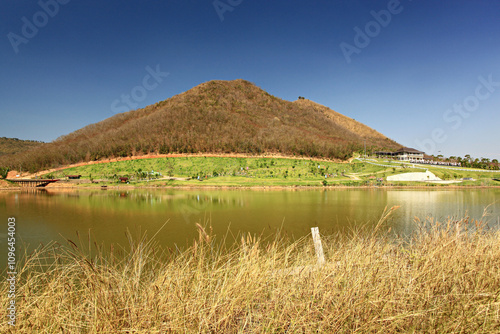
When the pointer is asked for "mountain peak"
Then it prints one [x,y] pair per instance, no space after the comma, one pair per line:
[214,117]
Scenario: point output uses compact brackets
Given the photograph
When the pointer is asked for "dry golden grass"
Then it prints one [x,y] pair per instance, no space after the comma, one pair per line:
[444,278]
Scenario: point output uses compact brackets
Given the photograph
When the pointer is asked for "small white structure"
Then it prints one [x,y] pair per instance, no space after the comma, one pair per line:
[427,176]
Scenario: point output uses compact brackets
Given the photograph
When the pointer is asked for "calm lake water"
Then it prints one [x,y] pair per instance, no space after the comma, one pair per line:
[43,216]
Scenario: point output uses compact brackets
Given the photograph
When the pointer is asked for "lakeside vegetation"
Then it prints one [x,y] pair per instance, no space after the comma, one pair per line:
[443,278]
[226,171]
[471,162]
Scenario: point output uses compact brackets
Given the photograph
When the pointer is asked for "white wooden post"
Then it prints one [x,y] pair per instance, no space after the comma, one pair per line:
[317,246]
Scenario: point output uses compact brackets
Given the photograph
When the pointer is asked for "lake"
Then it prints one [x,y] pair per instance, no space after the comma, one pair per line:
[48,215]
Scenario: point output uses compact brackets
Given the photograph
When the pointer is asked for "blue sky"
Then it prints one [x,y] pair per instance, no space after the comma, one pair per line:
[424,73]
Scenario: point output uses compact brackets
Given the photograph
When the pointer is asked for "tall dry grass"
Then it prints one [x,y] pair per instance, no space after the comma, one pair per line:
[444,278]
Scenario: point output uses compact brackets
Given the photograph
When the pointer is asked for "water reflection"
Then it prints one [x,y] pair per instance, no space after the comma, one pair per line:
[43,216]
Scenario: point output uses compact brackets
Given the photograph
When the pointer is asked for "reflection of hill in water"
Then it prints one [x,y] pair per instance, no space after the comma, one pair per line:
[141,201]
[46,215]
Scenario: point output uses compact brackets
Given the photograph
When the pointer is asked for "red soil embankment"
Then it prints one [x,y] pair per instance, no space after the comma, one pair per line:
[4,185]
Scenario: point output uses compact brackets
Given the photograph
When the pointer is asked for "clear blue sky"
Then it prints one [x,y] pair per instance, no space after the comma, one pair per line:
[419,74]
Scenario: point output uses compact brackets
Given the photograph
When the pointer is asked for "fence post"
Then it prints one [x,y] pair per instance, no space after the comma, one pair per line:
[317,246]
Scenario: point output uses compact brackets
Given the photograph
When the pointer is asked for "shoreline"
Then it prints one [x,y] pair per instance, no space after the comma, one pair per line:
[256,187]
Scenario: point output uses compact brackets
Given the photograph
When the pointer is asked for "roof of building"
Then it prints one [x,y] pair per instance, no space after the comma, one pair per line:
[409,150]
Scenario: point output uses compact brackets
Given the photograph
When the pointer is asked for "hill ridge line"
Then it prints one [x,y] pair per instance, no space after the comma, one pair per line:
[234,117]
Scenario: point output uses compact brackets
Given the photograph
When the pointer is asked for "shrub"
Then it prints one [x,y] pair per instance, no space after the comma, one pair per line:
[3,172]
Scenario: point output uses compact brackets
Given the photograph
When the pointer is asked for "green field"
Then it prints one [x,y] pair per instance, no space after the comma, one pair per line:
[216,171]
[225,171]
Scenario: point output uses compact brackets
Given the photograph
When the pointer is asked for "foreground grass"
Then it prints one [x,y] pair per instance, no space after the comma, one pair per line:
[444,278]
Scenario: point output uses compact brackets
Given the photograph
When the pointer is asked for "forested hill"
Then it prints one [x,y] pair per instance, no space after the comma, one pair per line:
[215,117]
[15,145]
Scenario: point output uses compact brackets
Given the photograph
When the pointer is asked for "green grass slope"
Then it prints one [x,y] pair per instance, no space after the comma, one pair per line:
[229,171]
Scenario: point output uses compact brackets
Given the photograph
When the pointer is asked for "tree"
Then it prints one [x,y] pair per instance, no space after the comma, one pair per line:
[3,172]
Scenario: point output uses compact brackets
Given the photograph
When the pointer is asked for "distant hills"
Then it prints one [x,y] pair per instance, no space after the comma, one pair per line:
[14,145]
[214,117]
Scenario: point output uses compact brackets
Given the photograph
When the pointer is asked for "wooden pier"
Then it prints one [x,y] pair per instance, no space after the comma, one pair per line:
[30,183]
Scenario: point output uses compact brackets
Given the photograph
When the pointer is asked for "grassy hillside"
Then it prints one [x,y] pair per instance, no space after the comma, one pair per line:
[218,117]
[229,171]
[216,171]
[14,145]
